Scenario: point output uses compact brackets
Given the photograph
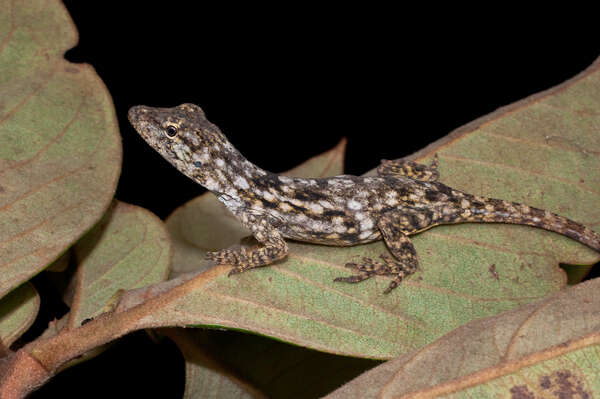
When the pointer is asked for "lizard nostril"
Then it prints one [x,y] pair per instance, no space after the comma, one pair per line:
[136,112]
[197,164]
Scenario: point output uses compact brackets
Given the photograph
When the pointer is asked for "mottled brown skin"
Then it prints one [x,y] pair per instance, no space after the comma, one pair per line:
[405,198]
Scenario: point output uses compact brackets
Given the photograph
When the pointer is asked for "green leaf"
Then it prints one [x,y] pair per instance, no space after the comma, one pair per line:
[576,273]
[204,376]
[17,312]
[60,150]
[130,248]
[278,369]
[539,350]
[467,271]
[60,264]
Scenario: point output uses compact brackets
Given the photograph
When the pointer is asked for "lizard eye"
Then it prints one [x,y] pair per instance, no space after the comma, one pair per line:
[171,131]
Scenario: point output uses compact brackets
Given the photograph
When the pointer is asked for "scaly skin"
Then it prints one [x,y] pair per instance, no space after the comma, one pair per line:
[405,198]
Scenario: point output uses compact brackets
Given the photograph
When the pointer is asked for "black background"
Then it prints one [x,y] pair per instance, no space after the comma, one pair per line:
[284,84]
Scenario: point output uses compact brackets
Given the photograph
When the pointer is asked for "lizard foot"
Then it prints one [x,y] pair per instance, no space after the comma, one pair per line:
[236,270]
[369,267]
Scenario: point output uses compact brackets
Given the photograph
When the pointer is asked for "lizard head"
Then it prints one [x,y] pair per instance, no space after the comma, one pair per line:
[182,135]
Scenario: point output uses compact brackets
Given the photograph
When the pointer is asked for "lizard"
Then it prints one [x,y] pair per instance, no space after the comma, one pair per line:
[404,198]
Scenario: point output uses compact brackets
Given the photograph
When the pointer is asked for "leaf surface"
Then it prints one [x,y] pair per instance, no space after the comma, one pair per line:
[17,313]
[205,377]
[540,350]
[278,369]
[60,150]
[128,249]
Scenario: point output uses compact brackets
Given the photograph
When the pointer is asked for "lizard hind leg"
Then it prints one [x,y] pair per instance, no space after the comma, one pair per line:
[404,263]
[410,169]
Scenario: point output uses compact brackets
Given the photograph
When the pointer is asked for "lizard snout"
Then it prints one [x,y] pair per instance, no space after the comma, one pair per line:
[136,113]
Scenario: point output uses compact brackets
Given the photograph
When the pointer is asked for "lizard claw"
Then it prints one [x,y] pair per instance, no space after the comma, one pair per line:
[351,265]
[365,265]
[392,285]
[386,258]
[234,271]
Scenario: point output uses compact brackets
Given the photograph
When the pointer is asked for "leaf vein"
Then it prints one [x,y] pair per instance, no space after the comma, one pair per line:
[521,170]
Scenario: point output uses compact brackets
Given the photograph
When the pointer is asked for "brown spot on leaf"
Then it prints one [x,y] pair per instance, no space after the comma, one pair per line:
[586,111]
[545,382]
[493,271]
[521,392]
[560,384]
[563,384]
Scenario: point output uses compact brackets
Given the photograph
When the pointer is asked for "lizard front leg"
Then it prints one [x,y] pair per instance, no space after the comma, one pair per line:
[394,227]
[273,247]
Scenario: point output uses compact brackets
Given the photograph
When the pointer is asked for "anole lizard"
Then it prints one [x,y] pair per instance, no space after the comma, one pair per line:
[403,199]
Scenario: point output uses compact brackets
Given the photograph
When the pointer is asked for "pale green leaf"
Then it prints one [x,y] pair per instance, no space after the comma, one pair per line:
[60,150]
[128,249]
[538,351]
[17,312]
[204,376]
[278,369]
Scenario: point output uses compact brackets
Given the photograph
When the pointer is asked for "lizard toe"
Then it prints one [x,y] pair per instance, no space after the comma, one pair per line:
[234,271]
[354,278]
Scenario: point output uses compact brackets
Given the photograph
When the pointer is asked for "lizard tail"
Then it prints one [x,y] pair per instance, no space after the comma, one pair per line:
[499,211]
